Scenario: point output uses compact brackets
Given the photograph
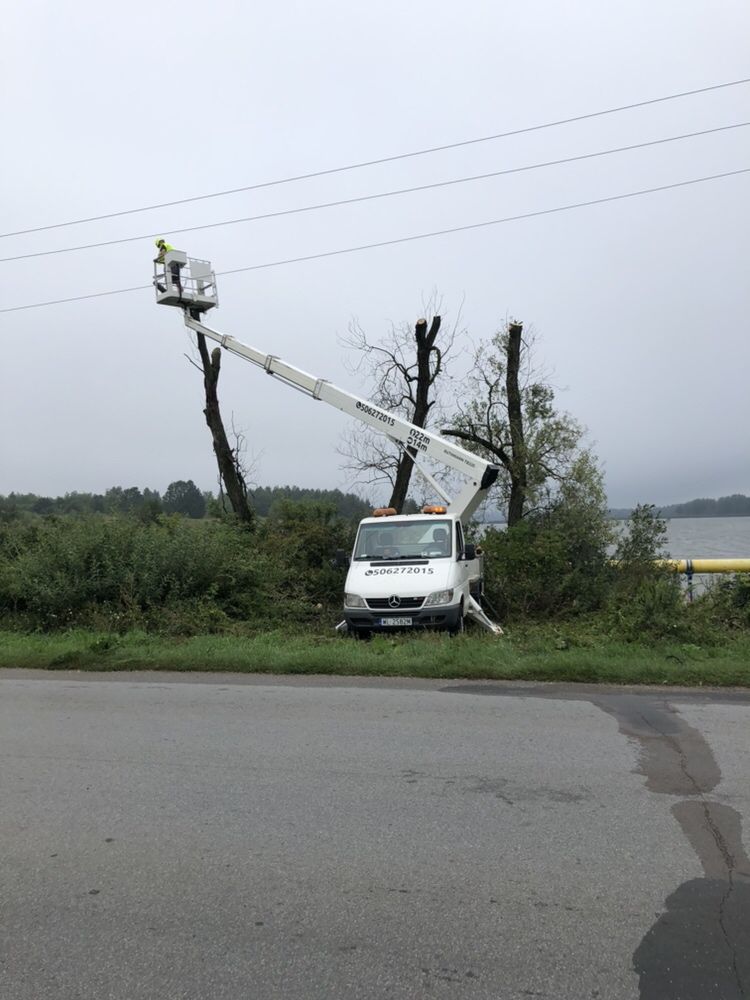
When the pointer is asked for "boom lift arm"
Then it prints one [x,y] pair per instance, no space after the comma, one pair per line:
[480,474]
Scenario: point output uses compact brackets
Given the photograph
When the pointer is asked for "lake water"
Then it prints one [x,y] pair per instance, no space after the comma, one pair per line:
[709,537]
[704,537]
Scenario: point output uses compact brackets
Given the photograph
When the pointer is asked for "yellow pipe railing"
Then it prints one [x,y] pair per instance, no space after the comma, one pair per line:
[691,566]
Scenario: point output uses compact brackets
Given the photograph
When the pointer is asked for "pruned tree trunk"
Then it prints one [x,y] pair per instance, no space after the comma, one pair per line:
[496,425]
[518,471]
[228,461]
[425,340]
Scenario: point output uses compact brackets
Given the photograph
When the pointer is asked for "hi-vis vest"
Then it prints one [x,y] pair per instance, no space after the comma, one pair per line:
[163,250]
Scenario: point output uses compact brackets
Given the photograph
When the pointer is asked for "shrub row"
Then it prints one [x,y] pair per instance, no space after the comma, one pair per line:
[170,575]
[177,576]
[555,565]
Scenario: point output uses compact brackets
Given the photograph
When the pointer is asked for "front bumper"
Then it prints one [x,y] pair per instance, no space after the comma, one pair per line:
[366,620]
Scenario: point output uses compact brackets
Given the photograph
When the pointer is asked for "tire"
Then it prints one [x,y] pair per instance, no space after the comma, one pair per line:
[362,634]
[460,627]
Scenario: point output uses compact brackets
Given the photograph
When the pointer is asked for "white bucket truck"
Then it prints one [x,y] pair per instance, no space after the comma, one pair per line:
[407,570]
[412,571]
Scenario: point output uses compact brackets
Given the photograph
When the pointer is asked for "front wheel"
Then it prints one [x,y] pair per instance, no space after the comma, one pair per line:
[460,627]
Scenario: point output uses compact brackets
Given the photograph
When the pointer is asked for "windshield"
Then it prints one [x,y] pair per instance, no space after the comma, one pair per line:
[404,540]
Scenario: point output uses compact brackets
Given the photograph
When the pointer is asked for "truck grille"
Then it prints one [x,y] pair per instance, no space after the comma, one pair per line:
[406,604]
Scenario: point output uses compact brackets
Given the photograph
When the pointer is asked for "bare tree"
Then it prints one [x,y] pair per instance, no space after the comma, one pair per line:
[510,418]
[229,459]
[406,369]
[247,468]
[519,479]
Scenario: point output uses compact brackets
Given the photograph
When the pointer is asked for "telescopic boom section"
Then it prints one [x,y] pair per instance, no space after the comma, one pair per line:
[480,474]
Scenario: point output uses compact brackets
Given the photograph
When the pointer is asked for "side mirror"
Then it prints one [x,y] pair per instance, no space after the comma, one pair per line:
[341,559]
[470,551]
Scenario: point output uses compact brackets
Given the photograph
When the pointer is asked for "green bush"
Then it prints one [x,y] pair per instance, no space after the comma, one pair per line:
[728,602]
[555,561]
[646,599]
[301,538]
[652,606]
[542,568]
[170,574]
[181,577]
[59,571]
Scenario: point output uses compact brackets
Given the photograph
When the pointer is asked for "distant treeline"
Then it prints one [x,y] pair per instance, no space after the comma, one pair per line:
[736,505]
[181,497]
[347,505]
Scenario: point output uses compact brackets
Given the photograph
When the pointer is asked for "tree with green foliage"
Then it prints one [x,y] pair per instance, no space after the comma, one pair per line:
[44,505]
[347,505]
[506,413]
[184,497]
[643,539]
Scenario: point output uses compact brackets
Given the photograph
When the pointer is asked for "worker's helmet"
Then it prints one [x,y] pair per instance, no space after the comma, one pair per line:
[161,241]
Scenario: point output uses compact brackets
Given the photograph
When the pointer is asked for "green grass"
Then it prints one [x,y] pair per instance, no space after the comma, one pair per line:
[535,653]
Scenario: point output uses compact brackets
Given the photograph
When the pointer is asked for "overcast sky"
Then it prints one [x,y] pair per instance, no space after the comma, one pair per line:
[641,306]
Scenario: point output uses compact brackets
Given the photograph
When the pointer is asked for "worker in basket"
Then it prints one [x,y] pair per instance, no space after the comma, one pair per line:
[163,249]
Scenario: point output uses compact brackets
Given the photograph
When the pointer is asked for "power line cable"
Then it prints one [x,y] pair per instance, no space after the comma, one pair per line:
[377,195]
[383,159]
[404,239]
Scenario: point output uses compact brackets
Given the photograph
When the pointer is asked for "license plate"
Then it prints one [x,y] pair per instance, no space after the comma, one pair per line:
[395,621]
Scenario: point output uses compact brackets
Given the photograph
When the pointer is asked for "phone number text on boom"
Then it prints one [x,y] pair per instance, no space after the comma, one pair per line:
[378,414]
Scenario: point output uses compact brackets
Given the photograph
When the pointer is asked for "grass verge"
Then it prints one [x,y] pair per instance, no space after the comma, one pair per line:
[540,654]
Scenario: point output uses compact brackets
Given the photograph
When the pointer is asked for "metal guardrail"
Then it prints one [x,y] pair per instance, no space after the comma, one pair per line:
[690,566]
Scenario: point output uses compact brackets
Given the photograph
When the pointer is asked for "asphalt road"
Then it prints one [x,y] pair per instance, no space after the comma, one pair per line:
[172,838]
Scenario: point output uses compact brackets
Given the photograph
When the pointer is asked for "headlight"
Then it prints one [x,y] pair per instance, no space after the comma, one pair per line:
[354,601]
[439,597]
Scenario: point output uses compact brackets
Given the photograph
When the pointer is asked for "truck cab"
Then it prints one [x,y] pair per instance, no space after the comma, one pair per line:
[410,571]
